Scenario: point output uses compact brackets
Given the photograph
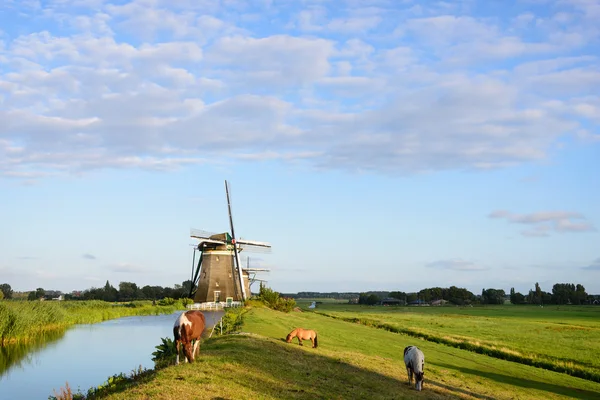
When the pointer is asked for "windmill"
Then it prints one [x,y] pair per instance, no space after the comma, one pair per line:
[219,276]
[251,272]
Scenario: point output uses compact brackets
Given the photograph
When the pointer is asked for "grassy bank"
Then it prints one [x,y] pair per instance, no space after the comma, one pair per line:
[563,340]
[26,321]
[352,361]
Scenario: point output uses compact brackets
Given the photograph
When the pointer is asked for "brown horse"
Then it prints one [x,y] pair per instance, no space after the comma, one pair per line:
[303,334]
[187,328]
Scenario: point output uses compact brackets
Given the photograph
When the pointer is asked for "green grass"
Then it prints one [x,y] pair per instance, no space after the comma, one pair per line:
[352,361]
[565,339]
[28,321]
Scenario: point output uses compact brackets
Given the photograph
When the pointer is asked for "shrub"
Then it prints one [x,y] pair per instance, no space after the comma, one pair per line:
[186,301]
[273,300]
[233,320]
[167,301]
[165,353]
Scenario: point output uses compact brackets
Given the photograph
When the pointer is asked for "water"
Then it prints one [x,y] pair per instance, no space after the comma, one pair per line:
[88,354]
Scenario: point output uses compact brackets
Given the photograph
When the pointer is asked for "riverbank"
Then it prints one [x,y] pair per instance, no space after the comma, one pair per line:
[351,361]
[22,322]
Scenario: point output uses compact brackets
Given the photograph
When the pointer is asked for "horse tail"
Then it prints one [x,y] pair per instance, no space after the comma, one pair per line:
[316,340]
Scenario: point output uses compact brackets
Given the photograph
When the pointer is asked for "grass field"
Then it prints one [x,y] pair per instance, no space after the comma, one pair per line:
[558,338]
[353,361]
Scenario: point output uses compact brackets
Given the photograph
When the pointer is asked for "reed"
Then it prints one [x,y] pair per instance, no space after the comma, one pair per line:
[25,321]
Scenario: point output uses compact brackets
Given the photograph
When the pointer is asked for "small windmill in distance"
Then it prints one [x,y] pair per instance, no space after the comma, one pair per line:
[219,276]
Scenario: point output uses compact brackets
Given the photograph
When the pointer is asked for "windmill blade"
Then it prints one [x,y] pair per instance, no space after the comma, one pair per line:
[193,264]
[235,246]
[200,234]
[253,246]
[253,243]
[195,276]
[253,249]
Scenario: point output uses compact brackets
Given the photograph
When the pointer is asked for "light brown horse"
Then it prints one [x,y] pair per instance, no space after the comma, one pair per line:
[303,334]
[187,328]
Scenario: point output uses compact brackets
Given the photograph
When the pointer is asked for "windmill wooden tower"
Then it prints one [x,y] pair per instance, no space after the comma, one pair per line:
[219,276]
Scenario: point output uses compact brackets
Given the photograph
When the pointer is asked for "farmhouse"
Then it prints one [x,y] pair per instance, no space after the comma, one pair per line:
[391,301]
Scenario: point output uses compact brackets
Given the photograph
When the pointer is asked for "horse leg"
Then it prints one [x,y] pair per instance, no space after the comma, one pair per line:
[177,347]
[409,372]
[196,348]
[300,341]
[312,340]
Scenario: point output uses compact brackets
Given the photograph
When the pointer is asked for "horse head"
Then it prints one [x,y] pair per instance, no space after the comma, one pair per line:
[419,377]
[188,350]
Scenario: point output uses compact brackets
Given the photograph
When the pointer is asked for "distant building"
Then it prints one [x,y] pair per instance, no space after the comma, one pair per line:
[440,302]
[391,301]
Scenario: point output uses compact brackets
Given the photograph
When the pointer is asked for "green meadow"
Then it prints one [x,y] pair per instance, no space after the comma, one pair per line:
[353,361]
[565,338]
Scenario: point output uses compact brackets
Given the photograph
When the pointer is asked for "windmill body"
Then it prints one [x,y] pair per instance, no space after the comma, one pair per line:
[218,276]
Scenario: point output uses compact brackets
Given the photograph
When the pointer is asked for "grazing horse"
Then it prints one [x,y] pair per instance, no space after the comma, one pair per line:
[415,363]
[303,334]
[187,328]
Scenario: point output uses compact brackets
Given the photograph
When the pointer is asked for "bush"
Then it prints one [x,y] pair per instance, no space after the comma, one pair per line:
[232,321]
[165,353]
[186,301]
[273,300]
[167,301]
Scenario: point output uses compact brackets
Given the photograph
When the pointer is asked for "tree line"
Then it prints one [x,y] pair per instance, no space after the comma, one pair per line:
[452,294]
[127,291]
[562,293]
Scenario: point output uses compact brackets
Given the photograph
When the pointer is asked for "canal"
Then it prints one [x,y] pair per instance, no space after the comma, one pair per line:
[86,355]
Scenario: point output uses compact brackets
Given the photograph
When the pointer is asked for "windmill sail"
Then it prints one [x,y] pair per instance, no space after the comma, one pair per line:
[236,254]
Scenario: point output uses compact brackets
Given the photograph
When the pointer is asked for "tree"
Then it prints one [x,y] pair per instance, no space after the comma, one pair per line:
[492,296]
[513,298]
[152,292]
[368,298]
[38,294]
[6,290]
[110,293]
[127,291]
[186,288]
[519,298]
[579,296]
[397,295]
[1,294]
[562,293]
[538,294]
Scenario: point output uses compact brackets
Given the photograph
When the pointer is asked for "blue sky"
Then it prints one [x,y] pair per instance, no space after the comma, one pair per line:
[377,145]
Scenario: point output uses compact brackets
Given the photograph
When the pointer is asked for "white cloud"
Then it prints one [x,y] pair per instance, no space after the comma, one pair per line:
[353,24]
[544,222]
[124,83]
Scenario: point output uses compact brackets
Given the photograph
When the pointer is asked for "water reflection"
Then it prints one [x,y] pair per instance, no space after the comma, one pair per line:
[87,355]
[22,353]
